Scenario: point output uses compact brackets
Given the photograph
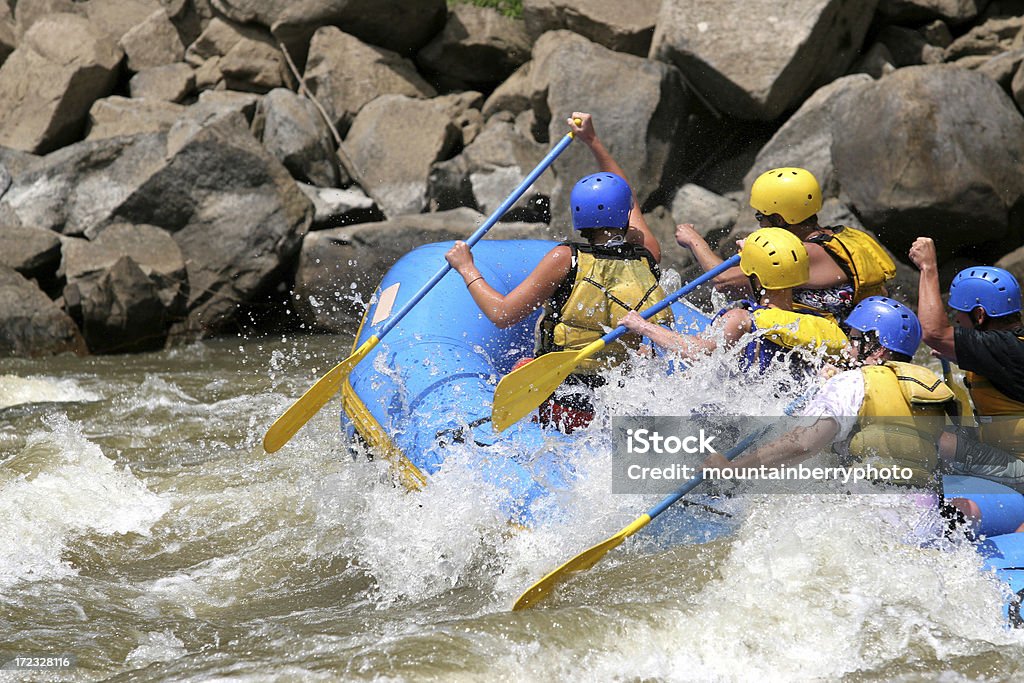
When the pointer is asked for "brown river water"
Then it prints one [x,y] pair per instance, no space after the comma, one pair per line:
[146,535]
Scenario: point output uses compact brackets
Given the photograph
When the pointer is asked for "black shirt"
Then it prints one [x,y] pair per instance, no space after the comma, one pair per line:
[996,355]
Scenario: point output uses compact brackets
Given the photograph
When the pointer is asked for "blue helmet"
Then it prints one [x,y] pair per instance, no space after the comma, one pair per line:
[897,326]
[601,200]
[994,289]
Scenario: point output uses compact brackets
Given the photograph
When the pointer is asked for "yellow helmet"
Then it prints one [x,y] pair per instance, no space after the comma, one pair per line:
[793,193]
[777,257]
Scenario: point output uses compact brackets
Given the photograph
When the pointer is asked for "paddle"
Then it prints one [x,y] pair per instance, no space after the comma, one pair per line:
[588,558]
[285,427]
[522,390]
[966,418]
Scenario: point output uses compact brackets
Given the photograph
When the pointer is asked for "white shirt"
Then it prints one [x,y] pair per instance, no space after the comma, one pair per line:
[840,398]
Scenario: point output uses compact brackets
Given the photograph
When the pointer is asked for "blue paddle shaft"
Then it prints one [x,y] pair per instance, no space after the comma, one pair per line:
[480,232]
[678,294]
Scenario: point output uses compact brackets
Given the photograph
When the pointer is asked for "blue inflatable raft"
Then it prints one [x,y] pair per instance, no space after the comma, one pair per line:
[430,383]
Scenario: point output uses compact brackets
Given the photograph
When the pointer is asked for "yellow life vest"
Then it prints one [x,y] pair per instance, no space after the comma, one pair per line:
[792,330]
[861,257]
[901,420]
[996,412]
[608,282]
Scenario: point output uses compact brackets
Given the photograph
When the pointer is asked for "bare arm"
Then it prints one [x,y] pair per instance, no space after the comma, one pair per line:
[528,296]
[732,281]
[937,332]
[639,232]
[789,449]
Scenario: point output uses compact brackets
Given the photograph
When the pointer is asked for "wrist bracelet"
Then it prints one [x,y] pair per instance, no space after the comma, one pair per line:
[479,277]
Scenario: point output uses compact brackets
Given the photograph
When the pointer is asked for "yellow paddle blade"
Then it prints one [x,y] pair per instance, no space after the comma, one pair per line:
[285,427]
[522,390]
[582,562]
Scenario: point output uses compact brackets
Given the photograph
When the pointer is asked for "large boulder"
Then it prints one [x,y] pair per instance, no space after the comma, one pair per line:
[620,26]
[294,133]
[339,269]
[48,84]
[400,25]
[237,57]
[490,168]
[169,83]
[125,288]
[31,324]
[756,59]
[640,125]
[392,156]
[32,252]
[233,209]
[115,115]
[947,162]
[479,47]
[154,42]
[344,73]
[805,140]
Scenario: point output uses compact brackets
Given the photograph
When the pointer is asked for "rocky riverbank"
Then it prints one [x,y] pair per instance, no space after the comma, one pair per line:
[173,169]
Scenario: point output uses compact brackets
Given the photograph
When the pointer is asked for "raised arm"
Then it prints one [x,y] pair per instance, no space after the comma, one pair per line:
[639,232]
[517,305]
[936,330]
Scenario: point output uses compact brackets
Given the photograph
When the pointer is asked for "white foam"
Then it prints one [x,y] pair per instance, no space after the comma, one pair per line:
[59,487]
[16,391]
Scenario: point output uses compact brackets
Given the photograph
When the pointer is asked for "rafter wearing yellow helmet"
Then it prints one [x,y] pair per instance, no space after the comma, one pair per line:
[846,265]
[775,262]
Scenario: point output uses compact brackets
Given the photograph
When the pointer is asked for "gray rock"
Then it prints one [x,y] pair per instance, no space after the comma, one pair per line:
[345,73]
[294,133]
[913,11]
[1002,68]
[402,26]
[478,46]
[1017,87]
[31,324]
[937,33]
[154,42]
[663,225]
[170,83]
[32,252]
[489,169]
[333,207]
[989,39]
[126,288]
[569,73]
[1013,262]
[232,208]
[241,57]
[61,66]
[710,213]
[806,139]
[8,32]
[234,211]
[115,115]
[732,53]
[620,26]
[339,269]
[117,17]
[396,175]
[928,171]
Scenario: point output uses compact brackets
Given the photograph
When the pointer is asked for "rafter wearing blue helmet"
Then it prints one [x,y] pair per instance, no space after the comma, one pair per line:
[988,344]
[583,287]
[888,411]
